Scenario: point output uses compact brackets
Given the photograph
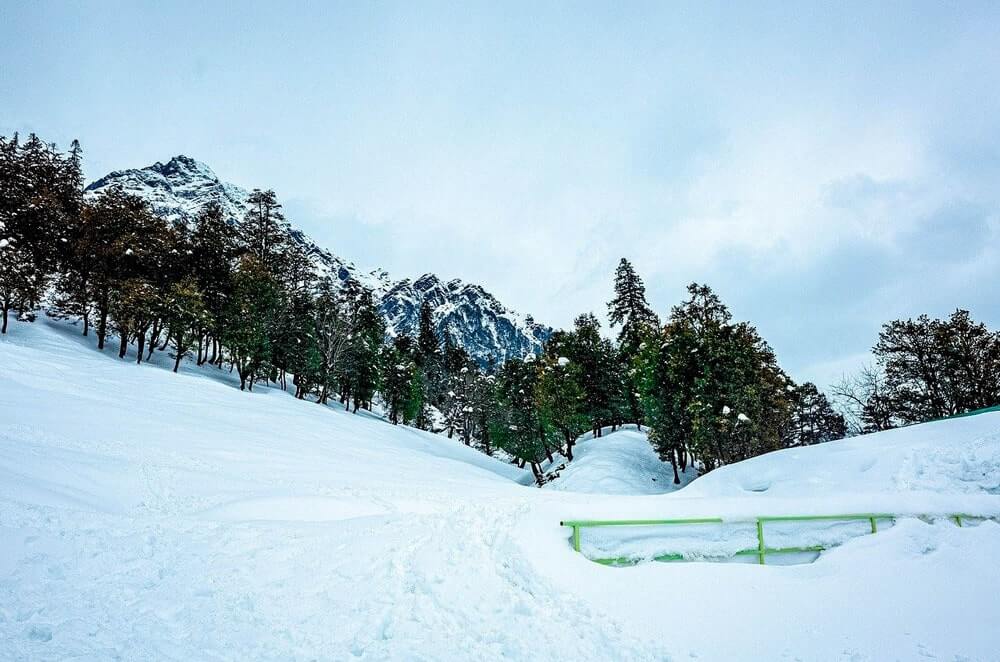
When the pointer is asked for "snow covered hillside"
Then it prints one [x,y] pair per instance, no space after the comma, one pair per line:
[180,188]
[147,515]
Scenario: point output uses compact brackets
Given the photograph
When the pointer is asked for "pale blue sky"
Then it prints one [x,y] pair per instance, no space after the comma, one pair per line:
[825,167]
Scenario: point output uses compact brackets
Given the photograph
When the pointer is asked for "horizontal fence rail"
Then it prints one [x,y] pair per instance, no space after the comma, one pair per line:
[762,550]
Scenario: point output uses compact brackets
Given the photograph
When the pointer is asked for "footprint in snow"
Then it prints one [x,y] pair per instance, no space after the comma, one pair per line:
[40,633]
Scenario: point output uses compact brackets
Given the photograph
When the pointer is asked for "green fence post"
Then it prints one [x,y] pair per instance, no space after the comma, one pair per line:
[874,527]
[760,542]
[576,538]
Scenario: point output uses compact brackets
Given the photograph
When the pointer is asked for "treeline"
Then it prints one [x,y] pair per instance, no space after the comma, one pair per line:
[924,369]
[710,390]
[245,295]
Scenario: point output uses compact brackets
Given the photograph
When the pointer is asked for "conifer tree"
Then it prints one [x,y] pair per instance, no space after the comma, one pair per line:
[517,426]
[39,198]
[360,372]
[261,233]
[630,309]
[213,251]
[250,319]
[560,400]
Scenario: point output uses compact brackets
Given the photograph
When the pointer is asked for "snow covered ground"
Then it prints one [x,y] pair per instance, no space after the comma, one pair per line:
[146,515]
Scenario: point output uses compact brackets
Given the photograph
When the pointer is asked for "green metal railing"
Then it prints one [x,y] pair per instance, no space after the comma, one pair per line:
[761,551]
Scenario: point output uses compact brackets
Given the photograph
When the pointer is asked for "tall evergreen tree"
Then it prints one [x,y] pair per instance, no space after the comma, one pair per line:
[630,309]
[561,400]
[250,320]
[261,233]
[213,252]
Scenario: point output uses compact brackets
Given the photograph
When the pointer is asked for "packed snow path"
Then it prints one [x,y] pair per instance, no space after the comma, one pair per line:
[146,515]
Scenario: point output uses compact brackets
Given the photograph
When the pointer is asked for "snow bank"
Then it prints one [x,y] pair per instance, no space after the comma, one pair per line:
[957,456]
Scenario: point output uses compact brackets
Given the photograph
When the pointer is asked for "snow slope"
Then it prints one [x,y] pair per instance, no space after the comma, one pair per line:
[146,515]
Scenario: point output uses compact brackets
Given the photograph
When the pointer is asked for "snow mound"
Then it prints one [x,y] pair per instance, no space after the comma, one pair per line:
[619,463]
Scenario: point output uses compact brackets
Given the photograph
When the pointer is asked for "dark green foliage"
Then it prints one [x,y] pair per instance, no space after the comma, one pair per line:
[630,309]
[40,195]
[402,383]
[251,319]
[261,234]
[561,400]
[359,373]
[517,426]
[711,389]
[212,253]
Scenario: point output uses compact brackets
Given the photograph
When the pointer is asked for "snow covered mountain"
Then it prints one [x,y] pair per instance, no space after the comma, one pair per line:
[180,188]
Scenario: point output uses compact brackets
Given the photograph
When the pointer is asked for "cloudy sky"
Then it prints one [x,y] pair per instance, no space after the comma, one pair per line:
[824,168]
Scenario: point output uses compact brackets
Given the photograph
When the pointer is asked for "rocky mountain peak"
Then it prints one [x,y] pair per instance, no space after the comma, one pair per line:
[472,317]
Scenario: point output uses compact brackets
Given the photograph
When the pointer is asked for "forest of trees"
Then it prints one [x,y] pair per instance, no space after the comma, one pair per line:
[244,296]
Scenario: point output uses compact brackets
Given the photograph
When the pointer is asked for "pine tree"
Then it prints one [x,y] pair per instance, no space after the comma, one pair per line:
[250,320]
[710,388]
[39,196]
[213,251]
[630,309]
[399,375]
[367,332]
[261,234]
[560,400]
[517,425]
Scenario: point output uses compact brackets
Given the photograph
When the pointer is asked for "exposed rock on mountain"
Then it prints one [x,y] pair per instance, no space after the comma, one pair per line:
[471,316]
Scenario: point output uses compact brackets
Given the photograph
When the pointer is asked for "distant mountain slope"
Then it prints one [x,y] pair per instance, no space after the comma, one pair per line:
[180,188]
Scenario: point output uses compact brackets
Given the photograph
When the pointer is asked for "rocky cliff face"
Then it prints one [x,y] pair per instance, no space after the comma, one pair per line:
[180,188]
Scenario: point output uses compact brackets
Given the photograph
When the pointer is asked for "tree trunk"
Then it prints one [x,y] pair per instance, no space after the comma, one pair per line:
[141,337]
[673,463]
[569,447]
[86,323]
[123,346]
[102,326]
[539,476]
[3,325]
[177,361]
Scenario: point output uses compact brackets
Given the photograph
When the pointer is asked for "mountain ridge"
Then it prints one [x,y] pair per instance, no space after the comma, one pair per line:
[466,312]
